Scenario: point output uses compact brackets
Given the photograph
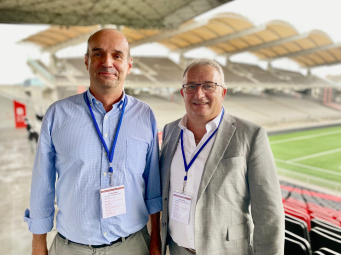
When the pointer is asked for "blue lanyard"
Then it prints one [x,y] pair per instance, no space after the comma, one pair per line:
[187,167]
[109,154]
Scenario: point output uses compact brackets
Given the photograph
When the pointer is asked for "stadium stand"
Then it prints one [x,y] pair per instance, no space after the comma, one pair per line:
[308,108]
[164,69]
[303,241]
[316,212]
[327,251]
[262,76]
[297,78]
[292,246]
[230,76]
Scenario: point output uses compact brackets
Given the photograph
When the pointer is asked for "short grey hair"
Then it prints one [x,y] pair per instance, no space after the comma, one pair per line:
[206,62]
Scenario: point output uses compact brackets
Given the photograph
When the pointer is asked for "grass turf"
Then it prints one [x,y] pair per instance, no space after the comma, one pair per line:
[315,152]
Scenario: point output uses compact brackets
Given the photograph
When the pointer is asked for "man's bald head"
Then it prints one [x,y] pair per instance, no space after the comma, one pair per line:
[102,32]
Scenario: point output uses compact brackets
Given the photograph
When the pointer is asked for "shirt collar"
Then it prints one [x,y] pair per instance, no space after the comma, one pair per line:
[93,100]
[209,126]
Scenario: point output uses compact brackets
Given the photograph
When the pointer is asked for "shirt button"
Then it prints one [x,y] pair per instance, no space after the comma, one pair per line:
[105,153]
[190,175]
[106,117]
[105,234]
[97,103]
[190,238]
[105,135]
[105,174]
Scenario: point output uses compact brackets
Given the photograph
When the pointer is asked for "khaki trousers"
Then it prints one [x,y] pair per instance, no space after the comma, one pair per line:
[175,249]
[136,244]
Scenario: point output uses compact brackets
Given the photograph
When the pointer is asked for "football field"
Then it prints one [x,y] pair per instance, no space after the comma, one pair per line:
[312,156]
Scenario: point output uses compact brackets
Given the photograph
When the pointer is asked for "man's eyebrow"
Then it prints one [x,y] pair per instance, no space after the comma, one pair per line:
[118,51]
[97,49]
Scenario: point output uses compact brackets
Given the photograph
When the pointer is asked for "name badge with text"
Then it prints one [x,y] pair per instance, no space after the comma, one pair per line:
[181,207]
[113,201]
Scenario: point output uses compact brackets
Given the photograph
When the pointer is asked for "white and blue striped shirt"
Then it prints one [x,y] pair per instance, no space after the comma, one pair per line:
[69,146]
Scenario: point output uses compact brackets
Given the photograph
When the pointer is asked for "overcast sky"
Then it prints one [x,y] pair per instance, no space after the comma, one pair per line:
[305,15]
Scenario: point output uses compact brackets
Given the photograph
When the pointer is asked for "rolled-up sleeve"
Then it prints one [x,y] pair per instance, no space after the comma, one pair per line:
[40,216]
[151,175]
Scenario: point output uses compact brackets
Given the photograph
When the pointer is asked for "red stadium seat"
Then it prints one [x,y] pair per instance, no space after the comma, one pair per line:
[300,215]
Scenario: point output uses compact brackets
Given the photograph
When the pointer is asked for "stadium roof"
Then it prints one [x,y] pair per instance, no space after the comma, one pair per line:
[319,56]
[225,34]
[132,13]
[58,37]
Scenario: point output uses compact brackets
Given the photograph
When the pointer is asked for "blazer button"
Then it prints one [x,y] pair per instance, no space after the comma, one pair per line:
[165,199]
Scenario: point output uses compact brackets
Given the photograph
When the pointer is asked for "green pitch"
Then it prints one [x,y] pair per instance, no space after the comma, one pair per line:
[314,153]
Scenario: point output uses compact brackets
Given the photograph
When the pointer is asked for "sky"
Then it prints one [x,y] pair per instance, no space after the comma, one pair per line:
[304,15]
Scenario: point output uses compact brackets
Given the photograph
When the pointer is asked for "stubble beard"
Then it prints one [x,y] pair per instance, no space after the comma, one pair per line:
[106,85]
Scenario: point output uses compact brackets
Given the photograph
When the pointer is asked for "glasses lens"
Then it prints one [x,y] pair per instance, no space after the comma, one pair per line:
[208,86]
[190,88]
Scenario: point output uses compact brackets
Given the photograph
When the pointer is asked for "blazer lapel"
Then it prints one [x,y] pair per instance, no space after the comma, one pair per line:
[221,142]
[171,148]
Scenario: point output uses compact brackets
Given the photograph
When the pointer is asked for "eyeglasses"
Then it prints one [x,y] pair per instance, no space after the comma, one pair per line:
[206,87]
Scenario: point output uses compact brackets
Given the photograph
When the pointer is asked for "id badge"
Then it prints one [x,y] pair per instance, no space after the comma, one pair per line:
[113,201]
[181,207]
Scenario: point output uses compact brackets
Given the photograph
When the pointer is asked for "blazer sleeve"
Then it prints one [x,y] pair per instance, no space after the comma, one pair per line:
[266,200]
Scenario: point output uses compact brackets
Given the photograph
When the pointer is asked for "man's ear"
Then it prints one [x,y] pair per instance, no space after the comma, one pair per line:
[182,93]
[130,64]
[223,93]
[86,59]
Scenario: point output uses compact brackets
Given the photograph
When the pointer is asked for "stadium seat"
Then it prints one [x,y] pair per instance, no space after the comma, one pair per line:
[325,218]
[320,239]
[297,226]
[325,225]
[292,246]
[331,234]
[327,251]
[298,214]
[299,239]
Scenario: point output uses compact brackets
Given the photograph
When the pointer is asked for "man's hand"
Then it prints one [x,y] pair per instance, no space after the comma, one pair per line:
[39,246]
[155,241]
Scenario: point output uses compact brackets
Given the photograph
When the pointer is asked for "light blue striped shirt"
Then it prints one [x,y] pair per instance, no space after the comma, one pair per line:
[69,146]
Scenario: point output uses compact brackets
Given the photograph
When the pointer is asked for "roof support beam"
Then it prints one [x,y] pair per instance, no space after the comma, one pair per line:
[326,64]
[269,44]
[223,38]
[306,52]
[169,33]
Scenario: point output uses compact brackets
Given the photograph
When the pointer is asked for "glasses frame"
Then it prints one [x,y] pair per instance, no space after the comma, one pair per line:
[216,84]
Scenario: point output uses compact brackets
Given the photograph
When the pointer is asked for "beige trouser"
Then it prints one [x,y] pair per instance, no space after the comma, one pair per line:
[175,249]
[136,244]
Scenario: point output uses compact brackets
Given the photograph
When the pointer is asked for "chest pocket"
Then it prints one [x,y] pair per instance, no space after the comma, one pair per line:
[136,156]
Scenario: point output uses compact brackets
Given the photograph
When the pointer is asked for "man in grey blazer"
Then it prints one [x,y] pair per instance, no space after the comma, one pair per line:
[221,193]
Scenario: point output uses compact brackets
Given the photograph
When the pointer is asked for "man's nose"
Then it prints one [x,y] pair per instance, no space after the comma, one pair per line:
[199,93]
[108,61]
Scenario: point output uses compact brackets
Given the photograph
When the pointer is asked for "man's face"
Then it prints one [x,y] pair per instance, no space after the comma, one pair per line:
[108,62]
[200,104]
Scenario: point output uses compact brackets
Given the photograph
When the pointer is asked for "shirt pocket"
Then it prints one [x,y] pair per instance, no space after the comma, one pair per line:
[136,156]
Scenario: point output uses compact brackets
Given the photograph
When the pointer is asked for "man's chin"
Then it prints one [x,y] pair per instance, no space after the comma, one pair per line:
[196,113]
[109,84]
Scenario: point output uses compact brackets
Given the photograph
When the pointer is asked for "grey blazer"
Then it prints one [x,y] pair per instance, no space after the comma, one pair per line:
[239,207]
